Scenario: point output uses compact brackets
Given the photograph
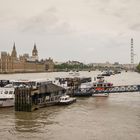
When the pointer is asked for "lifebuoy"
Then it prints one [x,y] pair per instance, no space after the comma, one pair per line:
[135,88]
[122,88]
[129,88]
[117,89]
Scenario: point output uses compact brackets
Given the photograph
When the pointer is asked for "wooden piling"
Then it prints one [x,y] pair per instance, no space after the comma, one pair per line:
[23,100]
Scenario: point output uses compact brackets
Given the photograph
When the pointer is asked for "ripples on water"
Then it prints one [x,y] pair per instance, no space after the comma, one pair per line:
[116,117]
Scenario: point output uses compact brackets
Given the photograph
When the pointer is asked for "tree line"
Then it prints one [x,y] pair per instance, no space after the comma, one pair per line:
[138,67]
[68,67]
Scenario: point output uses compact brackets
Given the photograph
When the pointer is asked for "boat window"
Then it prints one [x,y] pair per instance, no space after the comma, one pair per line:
[38,84]
[99,85]
[6,92]
[33,83]
[10,92]
[2,99]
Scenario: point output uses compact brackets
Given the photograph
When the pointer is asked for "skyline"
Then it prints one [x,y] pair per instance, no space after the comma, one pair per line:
[82,30]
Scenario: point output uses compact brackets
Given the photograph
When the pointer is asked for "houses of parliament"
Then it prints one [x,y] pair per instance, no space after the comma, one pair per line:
[11,63]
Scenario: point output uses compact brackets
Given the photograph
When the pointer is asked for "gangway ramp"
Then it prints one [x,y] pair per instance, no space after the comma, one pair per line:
[119,89]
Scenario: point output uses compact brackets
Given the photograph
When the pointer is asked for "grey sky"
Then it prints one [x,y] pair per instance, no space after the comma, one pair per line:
[83,30]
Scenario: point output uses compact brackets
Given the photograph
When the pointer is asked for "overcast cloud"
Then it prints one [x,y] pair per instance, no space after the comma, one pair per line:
[83,30]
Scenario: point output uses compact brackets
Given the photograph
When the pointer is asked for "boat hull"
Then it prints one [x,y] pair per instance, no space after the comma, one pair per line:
[7,103]
[100,95]
[82,94]
[67,102]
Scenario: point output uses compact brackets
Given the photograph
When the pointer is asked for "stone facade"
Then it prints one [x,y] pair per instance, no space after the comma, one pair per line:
[10,63]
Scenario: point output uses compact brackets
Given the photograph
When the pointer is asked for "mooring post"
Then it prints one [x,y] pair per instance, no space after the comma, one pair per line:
[23,99]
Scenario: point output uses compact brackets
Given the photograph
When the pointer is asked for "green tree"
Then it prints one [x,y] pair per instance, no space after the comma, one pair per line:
[65,66]
[138,67]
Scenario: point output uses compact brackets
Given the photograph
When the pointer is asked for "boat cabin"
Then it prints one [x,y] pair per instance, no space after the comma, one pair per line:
[4,83]
[29,83]
[64,98]
[102,84]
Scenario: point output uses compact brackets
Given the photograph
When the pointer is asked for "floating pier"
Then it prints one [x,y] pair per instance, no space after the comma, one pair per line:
[29,99]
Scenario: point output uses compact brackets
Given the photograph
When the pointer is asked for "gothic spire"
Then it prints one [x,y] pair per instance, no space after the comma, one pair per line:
[14,52]
[34,52]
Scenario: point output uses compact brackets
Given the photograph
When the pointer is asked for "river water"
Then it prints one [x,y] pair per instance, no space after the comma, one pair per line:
[116,117]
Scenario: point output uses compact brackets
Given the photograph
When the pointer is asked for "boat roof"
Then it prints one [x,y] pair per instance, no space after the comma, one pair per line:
[102,83]
[100,77]
[20,80]
[65,96]
[27,80]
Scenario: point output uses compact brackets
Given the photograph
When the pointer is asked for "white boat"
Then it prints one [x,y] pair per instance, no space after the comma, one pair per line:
[84,90]
[100,94]
[106,73]
[74,73]
[62,82]
[65,100]
[99,86]
[6,96]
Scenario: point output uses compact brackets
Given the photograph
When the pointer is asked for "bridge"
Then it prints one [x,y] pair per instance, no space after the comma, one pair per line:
[118,89]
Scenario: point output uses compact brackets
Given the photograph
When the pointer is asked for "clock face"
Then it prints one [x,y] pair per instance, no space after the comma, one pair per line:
[34,53]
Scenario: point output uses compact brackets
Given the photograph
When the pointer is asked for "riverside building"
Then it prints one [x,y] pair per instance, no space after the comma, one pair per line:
[11,63]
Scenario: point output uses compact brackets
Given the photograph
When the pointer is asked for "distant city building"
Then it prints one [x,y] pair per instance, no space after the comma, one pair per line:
[73,62]
[49,64]
[129,66]
[107,64]
[24,63]
[116,63]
